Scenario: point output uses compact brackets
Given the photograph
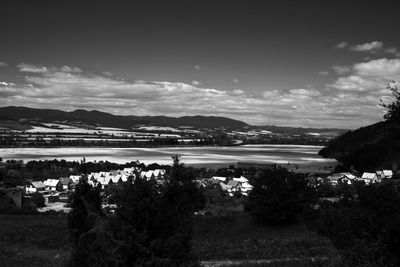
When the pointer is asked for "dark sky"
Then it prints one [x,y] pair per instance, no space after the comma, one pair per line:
[314,63]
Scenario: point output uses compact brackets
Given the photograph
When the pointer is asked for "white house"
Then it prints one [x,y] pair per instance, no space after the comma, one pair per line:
[75,178]
[219,178]
[241,179]
[344,177]
[51,184]
[369,177]
[35,186]
[387,173]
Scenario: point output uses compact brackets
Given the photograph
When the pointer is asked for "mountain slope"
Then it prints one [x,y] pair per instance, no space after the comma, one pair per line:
[106,119]
[368,148]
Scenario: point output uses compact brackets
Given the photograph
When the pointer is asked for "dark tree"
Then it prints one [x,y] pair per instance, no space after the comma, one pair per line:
[393,109]
[38,199]
[151,226]
[279,197]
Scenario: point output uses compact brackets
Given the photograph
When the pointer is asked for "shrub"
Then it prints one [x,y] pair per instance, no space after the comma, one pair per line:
[38,199]
[279,197]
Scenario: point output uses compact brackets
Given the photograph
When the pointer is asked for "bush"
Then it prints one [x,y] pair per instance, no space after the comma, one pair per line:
[152,225]
[365,228]
[279,197]
[38,199]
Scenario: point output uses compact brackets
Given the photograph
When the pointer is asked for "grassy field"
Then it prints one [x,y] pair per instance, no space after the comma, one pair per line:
[42,240]
[33,240]
[237,238]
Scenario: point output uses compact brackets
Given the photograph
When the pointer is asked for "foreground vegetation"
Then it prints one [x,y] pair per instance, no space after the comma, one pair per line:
[34,240]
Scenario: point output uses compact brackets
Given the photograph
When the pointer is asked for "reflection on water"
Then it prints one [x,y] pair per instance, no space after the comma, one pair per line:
[190,155]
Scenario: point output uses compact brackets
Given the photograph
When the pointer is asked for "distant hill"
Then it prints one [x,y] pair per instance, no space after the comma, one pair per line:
[97,118]
[368,148]
[302,130]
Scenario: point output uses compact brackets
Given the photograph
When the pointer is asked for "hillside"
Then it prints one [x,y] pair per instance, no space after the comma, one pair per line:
[368,148]
[97,118]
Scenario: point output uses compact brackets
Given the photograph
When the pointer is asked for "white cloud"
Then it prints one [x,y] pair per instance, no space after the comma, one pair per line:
[368,47]
[341,70]
[70,69]
[369,76]
[235,80]
[194,82]
[197,67]
[3,64]
[71,88]
[375,47]
[323,73]
[341,45]
[23,67]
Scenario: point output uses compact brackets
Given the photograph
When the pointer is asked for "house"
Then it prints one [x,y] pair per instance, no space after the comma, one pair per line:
[246,187]
[388,173]
[369,177]
[235,185]
[344,177]
[51,184]
[75,178]
[15,194]
[105,182]
[225,187]
[219,178]
[241,179]
[116,179]
[148,175]
[66,184]
[35,186]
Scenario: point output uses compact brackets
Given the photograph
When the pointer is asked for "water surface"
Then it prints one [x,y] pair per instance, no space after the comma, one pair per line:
[282,154]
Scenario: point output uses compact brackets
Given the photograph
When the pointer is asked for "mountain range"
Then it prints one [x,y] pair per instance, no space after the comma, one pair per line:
[98,118]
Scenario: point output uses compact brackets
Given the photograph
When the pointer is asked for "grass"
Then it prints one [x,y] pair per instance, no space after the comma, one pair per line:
[42,240]
[33,240]
[238,237]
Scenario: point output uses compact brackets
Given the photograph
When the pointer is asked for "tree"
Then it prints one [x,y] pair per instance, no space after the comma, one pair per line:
[152,224]
[38,199]
[393,109]
[279,197]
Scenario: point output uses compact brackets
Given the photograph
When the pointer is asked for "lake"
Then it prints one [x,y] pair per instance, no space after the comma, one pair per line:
[208,155]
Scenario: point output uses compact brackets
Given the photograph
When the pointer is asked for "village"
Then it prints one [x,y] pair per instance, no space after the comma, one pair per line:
[57,191]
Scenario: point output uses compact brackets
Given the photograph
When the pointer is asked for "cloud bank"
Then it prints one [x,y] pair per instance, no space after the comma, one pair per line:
[350,101]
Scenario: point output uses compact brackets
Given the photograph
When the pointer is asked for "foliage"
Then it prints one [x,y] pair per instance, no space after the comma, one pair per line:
[86,208]
[152,225]
[38,199]
[279,197]
[365,227]
[393,109]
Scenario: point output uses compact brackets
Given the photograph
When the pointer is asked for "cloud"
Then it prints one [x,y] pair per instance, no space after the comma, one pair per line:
[3,64]
[194,82]
[341,45]
[375,47]
[70,69]
[368,47]
[23,67]
[6,84]
[369,76]
[323,73]
[235,80]
[197,67]
[341,70]
[70,88]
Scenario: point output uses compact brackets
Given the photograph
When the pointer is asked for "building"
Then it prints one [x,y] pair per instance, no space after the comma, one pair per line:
[369,177]
[34,186]
[66,184]
[52,185]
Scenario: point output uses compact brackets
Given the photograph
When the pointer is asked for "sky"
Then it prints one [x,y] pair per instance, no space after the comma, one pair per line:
[321,64]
